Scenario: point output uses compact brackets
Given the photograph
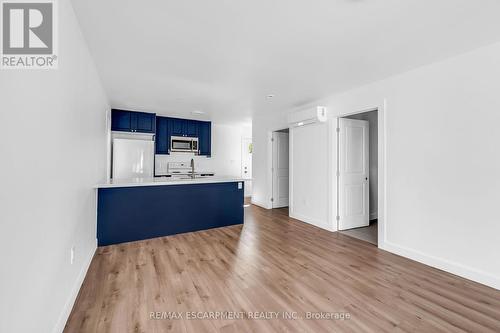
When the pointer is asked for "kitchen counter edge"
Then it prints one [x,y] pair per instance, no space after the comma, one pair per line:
[163,182]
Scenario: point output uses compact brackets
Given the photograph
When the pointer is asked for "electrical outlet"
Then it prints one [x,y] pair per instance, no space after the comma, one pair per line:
[72,255]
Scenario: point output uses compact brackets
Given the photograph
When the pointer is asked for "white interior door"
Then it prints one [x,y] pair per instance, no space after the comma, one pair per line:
[246,164]
[246,158]
[353,155]
[280,170]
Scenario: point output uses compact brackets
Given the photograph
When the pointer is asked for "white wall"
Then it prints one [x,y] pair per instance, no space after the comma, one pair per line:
[53,150]
[371,118]
[441,156]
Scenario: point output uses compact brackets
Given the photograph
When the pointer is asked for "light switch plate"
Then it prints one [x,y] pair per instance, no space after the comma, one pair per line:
[240,185]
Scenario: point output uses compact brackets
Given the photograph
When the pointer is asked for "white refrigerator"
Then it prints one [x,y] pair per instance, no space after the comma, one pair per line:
[133,158]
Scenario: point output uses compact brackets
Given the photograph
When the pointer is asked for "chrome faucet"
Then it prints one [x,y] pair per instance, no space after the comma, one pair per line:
[192,167]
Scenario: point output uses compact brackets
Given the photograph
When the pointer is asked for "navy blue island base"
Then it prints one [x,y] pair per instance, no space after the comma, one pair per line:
[126,214]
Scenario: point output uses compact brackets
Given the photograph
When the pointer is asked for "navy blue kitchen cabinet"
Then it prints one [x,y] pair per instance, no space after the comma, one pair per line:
[163,130]
[120,121]
[192,128]
[179,126]
[205,138]
[184,127]
[166,127]
[144,122]
[128,214]
[129,121]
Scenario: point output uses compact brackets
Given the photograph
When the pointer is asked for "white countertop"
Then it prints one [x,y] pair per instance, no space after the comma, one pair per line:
[159,181]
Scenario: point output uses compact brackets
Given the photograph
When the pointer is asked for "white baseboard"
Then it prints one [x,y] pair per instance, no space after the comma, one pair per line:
[443,264]
[66,311]
[260,204]
[315,222]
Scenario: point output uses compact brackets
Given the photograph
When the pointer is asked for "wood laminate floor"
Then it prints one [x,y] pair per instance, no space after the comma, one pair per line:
[276,264]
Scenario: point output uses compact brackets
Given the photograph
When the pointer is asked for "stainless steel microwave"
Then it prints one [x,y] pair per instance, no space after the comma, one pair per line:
[184,144]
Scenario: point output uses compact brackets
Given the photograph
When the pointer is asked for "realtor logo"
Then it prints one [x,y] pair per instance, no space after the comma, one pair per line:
[28,35]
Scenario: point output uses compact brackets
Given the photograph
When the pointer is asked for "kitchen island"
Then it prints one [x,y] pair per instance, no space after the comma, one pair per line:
[137,209]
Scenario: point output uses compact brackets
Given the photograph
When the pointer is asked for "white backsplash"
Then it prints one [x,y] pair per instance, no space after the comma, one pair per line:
[202,163]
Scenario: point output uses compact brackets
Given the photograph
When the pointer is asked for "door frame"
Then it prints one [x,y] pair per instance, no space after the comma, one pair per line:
[273,171]
[382,162]
[269,174]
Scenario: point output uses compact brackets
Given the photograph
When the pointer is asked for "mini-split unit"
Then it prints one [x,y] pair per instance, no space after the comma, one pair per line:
[308,116]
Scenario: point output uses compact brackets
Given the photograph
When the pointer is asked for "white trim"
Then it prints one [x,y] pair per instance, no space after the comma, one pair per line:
[269,173]
[331,175]
[109,143]
[66,311]
[382,181]
[443,264]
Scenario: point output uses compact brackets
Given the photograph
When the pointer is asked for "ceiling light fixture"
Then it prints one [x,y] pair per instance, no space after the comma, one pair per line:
[197,112]
[270,96]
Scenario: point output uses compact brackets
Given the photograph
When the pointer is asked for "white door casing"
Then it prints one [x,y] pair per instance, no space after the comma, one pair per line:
[280,170]
[353,173]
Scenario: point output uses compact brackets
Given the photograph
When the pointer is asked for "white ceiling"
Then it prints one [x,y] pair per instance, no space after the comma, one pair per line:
[224,56]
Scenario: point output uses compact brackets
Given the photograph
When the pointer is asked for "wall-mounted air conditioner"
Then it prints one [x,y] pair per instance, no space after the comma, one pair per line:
[307,116]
